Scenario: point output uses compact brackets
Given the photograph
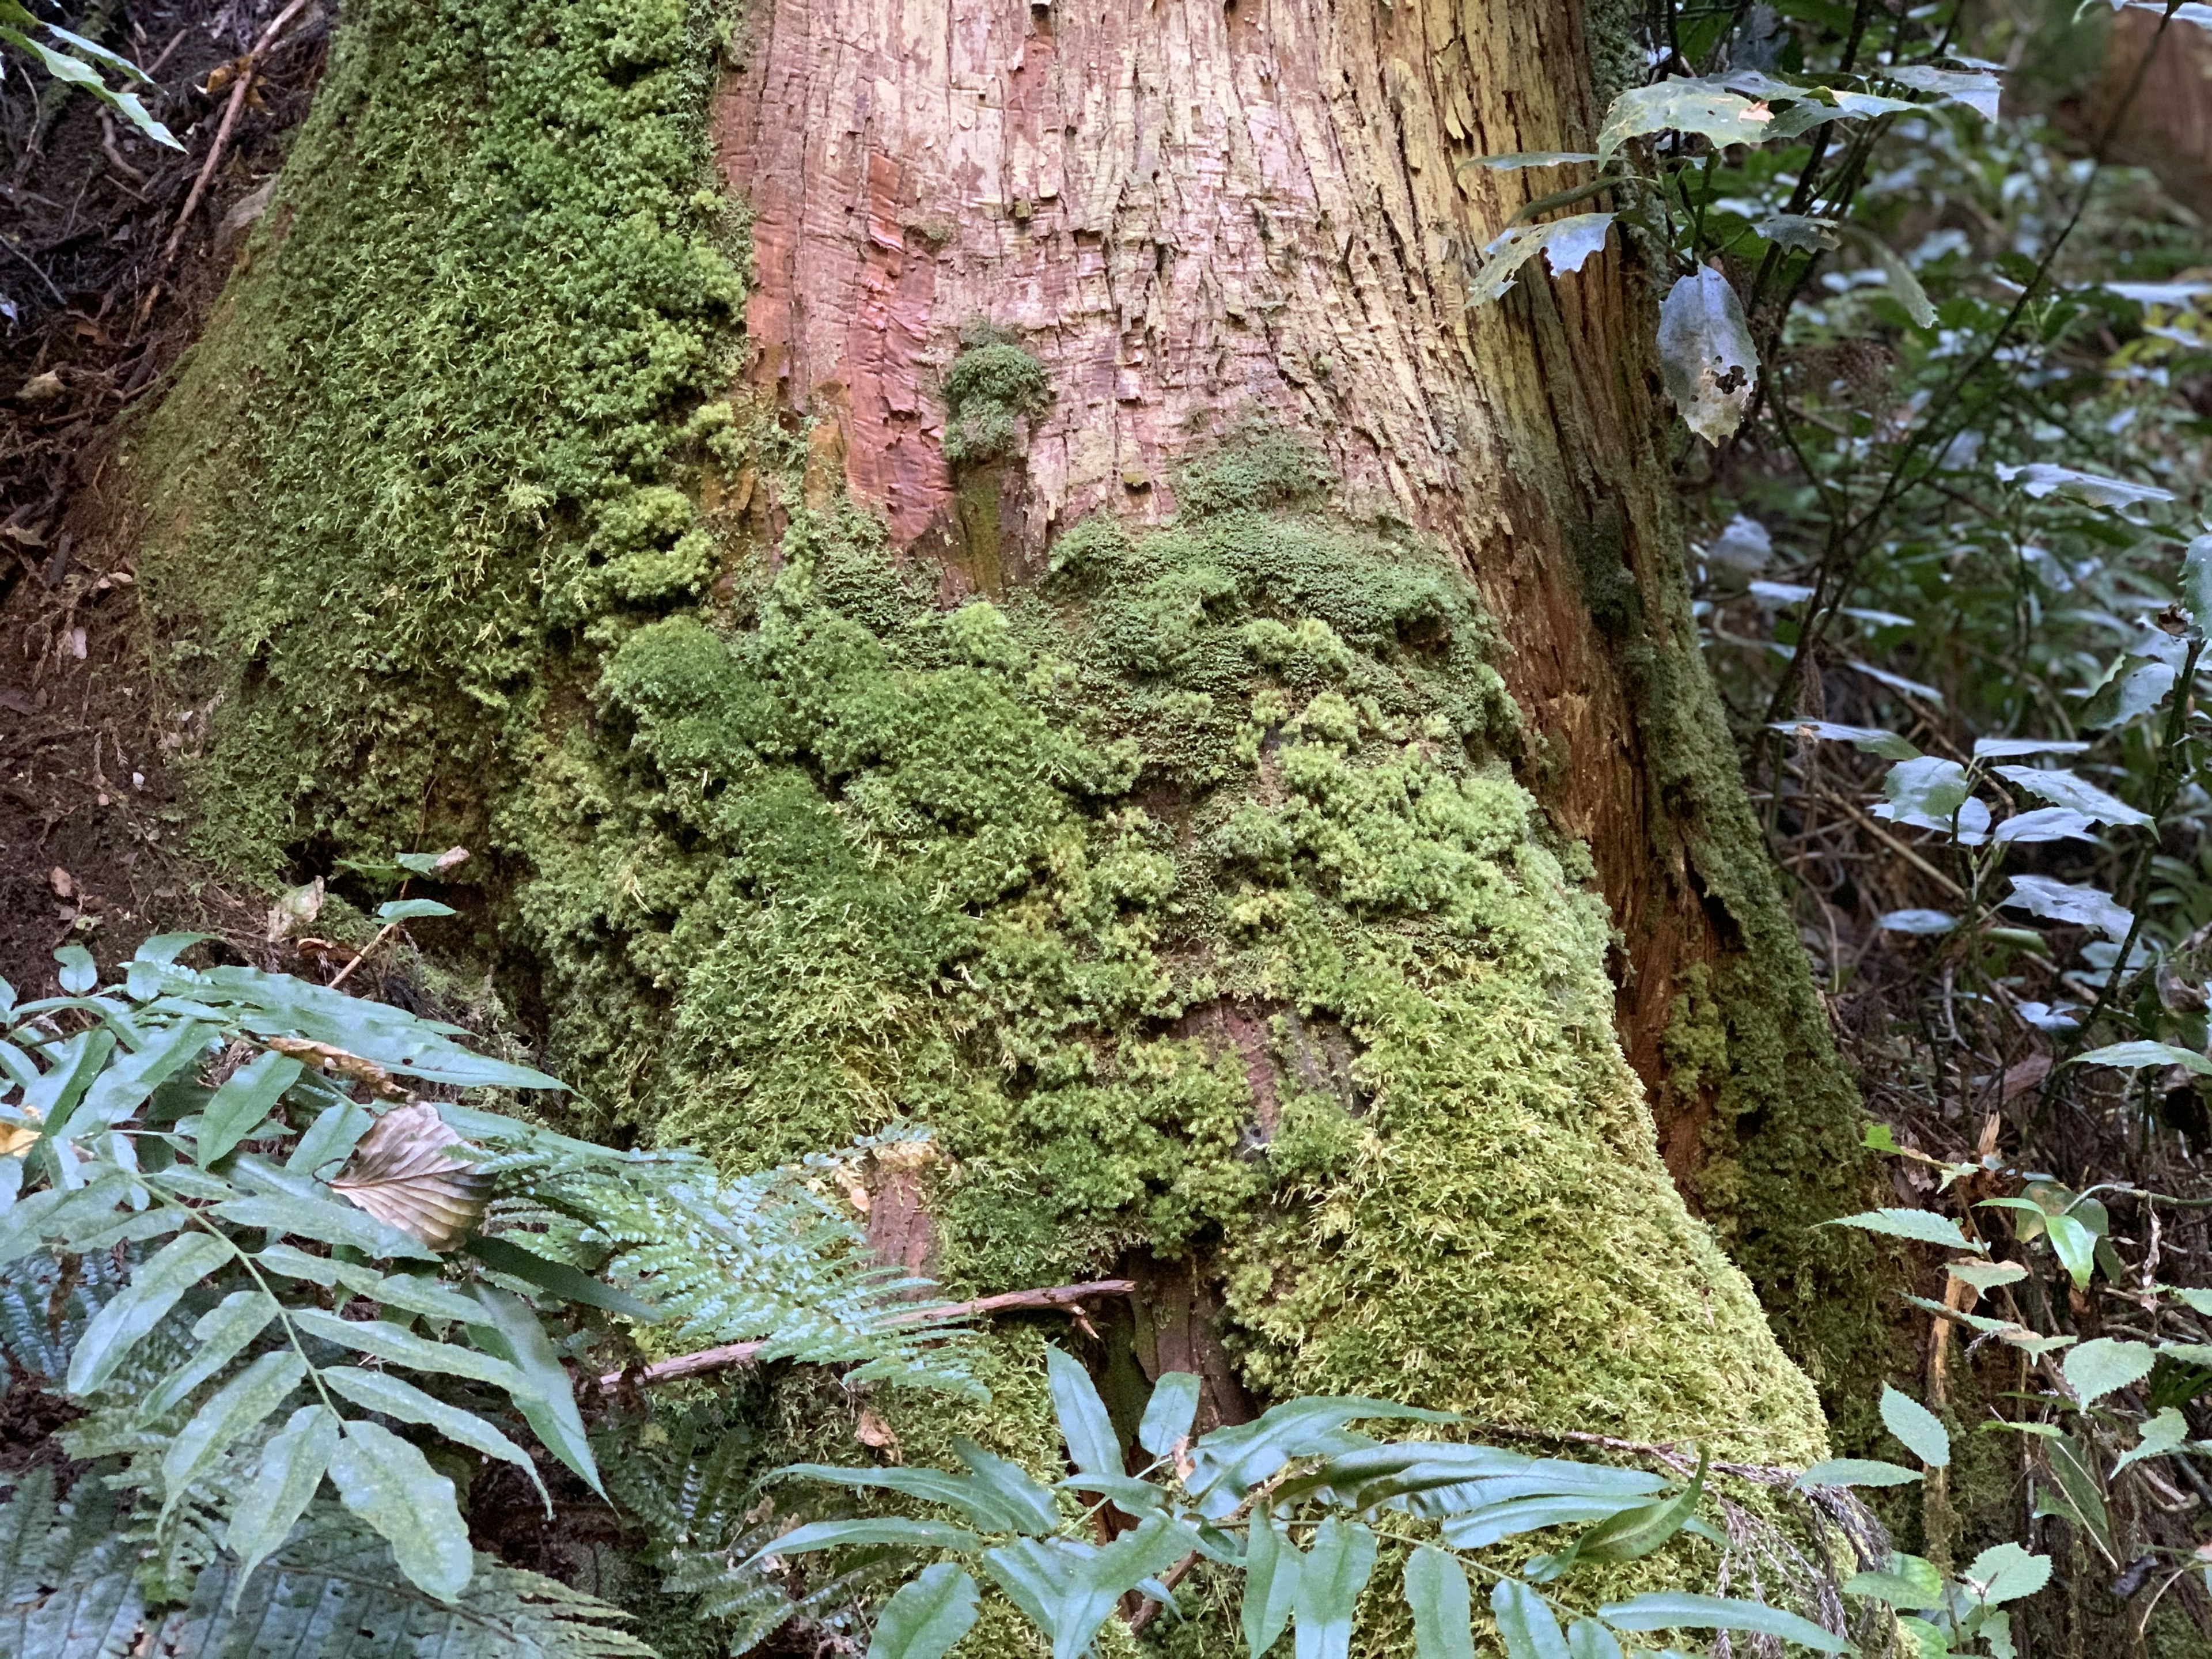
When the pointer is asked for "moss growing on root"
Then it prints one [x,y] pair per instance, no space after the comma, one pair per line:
[1185,900]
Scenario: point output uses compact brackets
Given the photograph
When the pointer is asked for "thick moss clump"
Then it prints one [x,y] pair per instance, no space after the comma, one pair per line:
[1186,896]
[991,384]
[1185,900]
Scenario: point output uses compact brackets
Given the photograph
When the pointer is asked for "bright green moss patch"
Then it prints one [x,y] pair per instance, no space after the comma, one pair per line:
[436,425]
[1002,869]
[991,384]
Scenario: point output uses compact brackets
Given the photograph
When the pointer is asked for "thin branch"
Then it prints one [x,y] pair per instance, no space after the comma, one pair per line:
[248,68]
[1070,1297]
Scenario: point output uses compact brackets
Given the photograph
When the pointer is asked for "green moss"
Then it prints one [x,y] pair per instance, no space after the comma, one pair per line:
[1750,1038]
[995,870]
[435,427]
[991,384]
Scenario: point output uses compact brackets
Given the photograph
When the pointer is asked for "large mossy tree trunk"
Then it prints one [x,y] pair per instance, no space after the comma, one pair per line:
[966,564]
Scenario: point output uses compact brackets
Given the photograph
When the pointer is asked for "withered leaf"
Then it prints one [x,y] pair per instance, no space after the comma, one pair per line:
[401,1173]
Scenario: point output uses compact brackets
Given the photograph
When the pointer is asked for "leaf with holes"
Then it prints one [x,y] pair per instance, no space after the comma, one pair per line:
[1706,358]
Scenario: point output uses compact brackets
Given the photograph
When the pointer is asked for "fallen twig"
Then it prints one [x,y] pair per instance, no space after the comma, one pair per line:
[743,1353]
[248,68]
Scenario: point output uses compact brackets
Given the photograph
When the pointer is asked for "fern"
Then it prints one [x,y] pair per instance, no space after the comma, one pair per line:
[759,1258]
[696,1488]
[67,1588]
[335,1587]
[198,1245]
[67,1591]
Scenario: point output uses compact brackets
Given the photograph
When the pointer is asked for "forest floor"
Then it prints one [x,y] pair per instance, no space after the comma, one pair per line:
[95,310]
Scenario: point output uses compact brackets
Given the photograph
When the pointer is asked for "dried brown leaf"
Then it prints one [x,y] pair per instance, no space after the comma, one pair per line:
[402,1174]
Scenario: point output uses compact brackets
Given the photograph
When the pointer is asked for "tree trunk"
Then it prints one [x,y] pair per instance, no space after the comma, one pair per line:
[1109,659]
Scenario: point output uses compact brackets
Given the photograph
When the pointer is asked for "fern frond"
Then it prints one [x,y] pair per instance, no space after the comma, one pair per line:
[67,1588]
[334,1587]
[761,1258]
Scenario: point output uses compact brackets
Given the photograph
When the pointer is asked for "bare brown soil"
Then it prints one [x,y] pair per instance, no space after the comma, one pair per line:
[94,315]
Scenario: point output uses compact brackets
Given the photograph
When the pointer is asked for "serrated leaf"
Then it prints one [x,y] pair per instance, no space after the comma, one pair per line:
[1920,923]
[2056,901]
[2098,1367]
[1336,1570]
[155,1285]
[1978,90]
[2040,478]
[1679,1610]
[402,1174]
[232,1410]
[241,1102]
[1907,1582]
[1986,1276]
[927,1615]
[547,1399]
[1923,1226]
[1270,1584]
[2077,794]
[1566,244]
[1525,1624]
[1703,107]
[290,1470]
[390,1485]
[1867,740]
[2045,823]
[1168,1414]
[2196,581]
[1920,1428]
[2160,1435]
[2136,686]
[1856,1472]
[2134,1056]
[1706,358]
[1435,1589]
[1084,1424]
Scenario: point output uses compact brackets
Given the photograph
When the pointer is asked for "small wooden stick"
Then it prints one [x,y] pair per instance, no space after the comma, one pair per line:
[238,92]
[743,1353]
